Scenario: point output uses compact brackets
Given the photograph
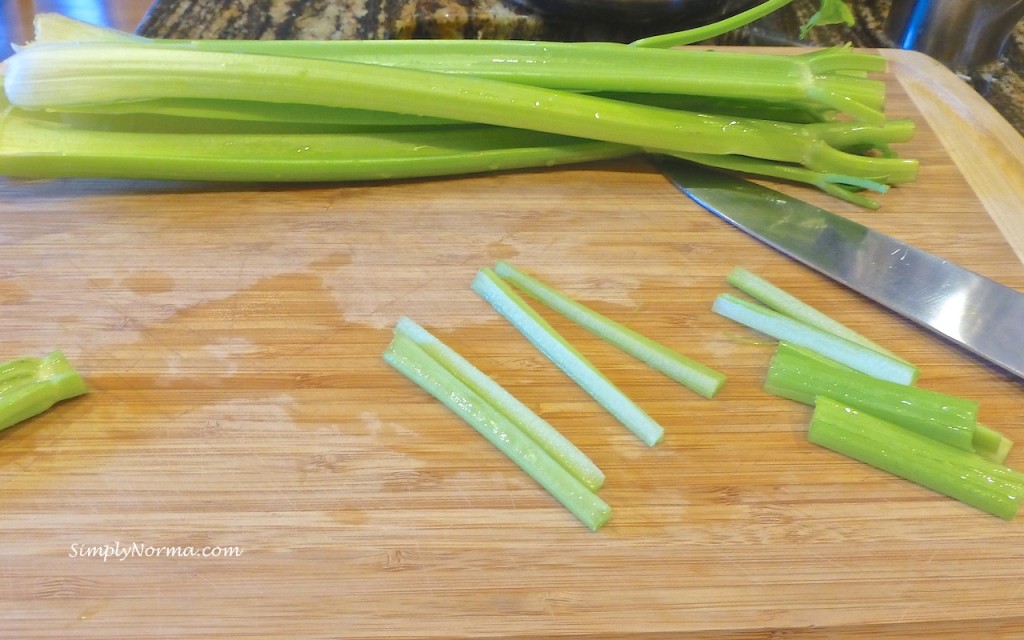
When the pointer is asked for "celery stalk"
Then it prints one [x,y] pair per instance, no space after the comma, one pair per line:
[577,66]
[40,146]
[548,341]
[686,371]
[803,376]
[787,304]
[412,361]
[781,327]
[76,75]
[953,472]
[30,386]
[540,431]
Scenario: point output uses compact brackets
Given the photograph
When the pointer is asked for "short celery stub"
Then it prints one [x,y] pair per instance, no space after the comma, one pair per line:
[983,484]
[416,364]
[782,327]
[557,349]
[539,430]
[686,371]
[30,386]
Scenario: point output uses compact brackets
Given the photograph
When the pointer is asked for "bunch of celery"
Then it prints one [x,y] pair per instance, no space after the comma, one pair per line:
[85,101]
[867,406]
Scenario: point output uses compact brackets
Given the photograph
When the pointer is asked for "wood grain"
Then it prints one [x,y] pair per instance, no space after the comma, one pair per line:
[232,335]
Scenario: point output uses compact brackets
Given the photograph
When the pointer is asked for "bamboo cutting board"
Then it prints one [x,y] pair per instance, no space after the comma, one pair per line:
[231,336]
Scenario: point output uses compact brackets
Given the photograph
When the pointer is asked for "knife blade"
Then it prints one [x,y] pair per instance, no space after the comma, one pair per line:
[980,315]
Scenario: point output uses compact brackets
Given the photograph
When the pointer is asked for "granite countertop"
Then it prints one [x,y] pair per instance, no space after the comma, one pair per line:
[1001,82]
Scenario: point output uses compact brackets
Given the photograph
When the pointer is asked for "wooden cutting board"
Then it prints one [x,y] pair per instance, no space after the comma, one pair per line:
[231,336]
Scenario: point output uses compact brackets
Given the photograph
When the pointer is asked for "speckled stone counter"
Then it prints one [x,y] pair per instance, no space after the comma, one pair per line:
[1001,82]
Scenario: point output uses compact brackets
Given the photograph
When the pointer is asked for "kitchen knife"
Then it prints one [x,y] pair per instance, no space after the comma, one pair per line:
[979,314]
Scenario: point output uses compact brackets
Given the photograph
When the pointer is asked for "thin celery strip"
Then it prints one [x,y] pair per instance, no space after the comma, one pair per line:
[37,146]
[686,371]
[713,30]
[802,375]
[416,364]
[988,486]
[539,430]
[548,341]
[837,185]
[61,75]
[787,304]
[30,386]
[781,327]
[830,12]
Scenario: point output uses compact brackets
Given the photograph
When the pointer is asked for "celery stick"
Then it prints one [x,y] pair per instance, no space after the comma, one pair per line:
[953,472]
[412,361]
[690,373]
[30,386]
[547,437]
[787,304]
[73,75]
[801,375]
[781,327]
[40,146]
[548,341]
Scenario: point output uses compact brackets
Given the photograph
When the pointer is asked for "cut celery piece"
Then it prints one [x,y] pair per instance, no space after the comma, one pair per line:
[991,444]
[546,436]
[781,327]
[789,305]
[548,341]
[690,373]
[416,364]
[802,375]
[30,386]
[953,472]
